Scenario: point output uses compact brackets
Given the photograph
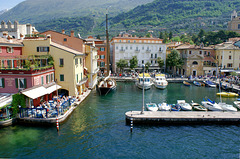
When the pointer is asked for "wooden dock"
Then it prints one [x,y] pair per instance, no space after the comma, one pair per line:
[183,117]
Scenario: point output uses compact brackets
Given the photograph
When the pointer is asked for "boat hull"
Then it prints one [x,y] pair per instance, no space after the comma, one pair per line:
[210,106]
[146,86]
[160,86]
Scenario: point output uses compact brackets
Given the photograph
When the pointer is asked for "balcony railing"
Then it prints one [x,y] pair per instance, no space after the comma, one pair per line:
[83,81]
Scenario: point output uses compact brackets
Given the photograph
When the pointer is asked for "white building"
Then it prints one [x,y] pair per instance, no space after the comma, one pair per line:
[16,29]
[146,49]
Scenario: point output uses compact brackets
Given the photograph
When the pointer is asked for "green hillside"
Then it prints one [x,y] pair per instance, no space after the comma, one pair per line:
[34,11]
[178,15]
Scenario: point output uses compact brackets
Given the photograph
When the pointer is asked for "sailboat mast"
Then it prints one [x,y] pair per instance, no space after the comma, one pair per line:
[108,48]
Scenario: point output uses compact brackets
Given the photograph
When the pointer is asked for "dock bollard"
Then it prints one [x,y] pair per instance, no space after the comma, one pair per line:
[131,129]
[57,124]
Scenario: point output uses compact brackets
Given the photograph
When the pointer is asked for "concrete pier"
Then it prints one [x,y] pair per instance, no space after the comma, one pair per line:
[183,117]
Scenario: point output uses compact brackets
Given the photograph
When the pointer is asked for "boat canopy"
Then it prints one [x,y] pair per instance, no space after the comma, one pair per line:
[145,75]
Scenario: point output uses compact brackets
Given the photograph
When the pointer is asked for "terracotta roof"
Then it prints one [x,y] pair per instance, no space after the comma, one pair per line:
[66,49]
[12,42]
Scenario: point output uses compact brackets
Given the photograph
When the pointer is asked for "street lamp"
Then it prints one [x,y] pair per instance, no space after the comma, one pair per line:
[142,112]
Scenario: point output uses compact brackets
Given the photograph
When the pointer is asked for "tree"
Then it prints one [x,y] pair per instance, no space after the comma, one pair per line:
[147,65]
[161,35]
[148,35]
[160,62]
[121,64]
[98,37]
[174,60]
[133,62]
[170,35]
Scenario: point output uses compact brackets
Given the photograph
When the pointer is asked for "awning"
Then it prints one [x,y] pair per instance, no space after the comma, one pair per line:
[5,99]
[38,91]
[35,92]
[53,88]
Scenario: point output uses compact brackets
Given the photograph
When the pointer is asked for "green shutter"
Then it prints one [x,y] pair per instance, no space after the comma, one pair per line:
[47,49]
[25,83]
[3,82]
[16,82]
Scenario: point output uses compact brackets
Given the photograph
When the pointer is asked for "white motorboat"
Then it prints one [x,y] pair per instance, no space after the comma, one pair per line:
[227,107]
[146,79]
[164,107]
[152,107]
[211,105]
[237,104]
[210,84]
[183,105]
[160,81]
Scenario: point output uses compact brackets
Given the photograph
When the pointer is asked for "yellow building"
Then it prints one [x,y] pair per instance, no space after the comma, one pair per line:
[228,56]
[172,46]
[68,63]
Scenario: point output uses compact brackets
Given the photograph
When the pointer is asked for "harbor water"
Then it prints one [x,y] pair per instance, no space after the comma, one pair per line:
[97,129]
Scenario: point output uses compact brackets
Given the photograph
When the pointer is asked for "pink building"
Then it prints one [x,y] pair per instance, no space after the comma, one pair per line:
[32,76]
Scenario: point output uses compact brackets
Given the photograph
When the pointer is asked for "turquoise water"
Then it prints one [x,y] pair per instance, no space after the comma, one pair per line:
[97,129]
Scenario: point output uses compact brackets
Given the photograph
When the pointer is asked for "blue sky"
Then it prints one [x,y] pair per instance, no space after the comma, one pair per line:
[7,4]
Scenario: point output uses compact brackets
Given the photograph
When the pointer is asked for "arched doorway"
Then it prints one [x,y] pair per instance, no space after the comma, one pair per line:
[63,92]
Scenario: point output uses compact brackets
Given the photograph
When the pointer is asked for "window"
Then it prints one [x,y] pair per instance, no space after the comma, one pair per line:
[190,52]
[205,52]
[128,41]
[155,61]
[160,49]
[151,61]
[102,49]
[80,61]
[2,83]
[151,55]
[130,47]
[230,52]
[61,77]
[148,48]
[142,61]
[209,53]
[200,52]
[221,57]
[238,26]
[195,63]
[116,47]
[21,83]
[76,61]
[42,81]
[229,65]
[126,47]
[120,41]
[65,39]
[102,56]
[102,64]
[230,57]
[47,79]
[136,48]
[61,62]
[155,55]
[134,41]
[77,77]
[9,50]
[42,49]
[143,48]
[52,77]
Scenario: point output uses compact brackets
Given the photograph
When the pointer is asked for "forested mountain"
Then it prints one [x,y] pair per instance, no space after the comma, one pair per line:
[33,11]
[88,16]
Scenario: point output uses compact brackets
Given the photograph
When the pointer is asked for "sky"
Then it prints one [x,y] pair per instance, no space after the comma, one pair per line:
[7,4]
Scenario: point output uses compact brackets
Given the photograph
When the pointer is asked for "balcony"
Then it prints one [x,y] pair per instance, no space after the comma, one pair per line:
[137,50]
[121,50]
[83,81]
[21,70]
[148,51]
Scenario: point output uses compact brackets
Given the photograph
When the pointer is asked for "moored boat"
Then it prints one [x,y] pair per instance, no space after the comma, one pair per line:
[183,105]
[237,104]
[175,107]
[198,107]
[106,85]
[164,107]
[227,107]
[160,81]
[211,105]
[196,83]
[186,83]
[152,107]
[227,94]
[210,84]
[146,79]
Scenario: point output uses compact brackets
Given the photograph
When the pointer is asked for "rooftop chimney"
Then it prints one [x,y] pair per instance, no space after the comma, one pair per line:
[72,33]
[63,31]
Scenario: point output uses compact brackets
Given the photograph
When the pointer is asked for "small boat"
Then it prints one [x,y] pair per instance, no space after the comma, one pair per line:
[227,107]
[198,107]
[147,81]
[237,104]
[164,107]
[160,81]
[202,84]
[183,105]
[152,107]
[186,83]
[211,105]
[227,94]
[196,83]
[210,84]
[175,107]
